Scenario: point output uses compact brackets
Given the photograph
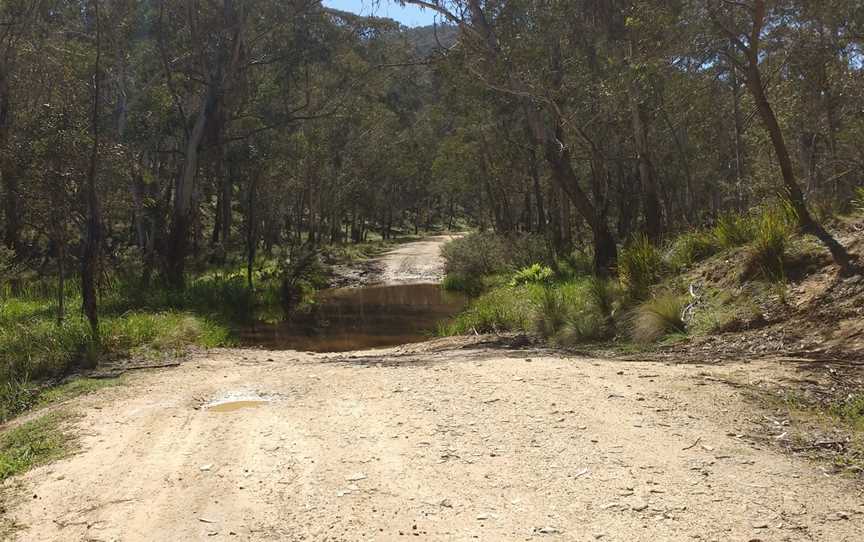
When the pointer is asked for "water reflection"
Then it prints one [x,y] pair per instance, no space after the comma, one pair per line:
[358,318]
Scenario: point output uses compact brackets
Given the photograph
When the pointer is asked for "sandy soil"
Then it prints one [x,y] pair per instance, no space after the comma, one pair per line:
[456,439]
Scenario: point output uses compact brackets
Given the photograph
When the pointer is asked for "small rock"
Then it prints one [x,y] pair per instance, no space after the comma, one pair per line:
[205,468]
[356,477]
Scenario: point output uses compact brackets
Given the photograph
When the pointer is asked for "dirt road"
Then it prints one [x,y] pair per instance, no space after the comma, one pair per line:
[415,262]
[408,263]
[449,440]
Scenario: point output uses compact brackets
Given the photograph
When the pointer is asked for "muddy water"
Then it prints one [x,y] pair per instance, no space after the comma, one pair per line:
[360,318]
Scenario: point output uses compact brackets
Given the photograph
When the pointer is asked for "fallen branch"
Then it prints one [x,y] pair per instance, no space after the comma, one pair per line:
[698,440]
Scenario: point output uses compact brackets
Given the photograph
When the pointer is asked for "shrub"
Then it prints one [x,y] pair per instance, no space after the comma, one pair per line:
[858,200]
[577,265]
[602,294]
[657,318]
[690,248]
[459,283]
[500,309]
[535,273]
[553,312]
[733,230]
[640,265]
[482,254]
[768,251]
[577,312]
[475,255]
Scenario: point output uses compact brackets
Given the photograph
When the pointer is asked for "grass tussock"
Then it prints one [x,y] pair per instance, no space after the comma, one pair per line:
[733,230]
[858,200]
[500,309]
[566,312]
[657,318]
[640,266]
[34,443]
[691,248]
[767,252]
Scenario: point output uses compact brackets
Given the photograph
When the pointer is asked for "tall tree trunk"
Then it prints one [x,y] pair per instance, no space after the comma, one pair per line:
[605,248]
[61,282]
[793,191]
[8,170]
[178,239]
[738,138]
[650,199]
[93,238]
[538,191]
[251,233]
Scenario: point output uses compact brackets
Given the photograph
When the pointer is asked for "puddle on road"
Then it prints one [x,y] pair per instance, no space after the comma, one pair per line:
[358,318]
[235,405]
[237,400]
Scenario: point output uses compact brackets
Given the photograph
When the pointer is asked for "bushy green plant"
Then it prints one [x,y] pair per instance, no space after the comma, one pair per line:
[602,294]
[576,266]
[640,265]
[657,317]
[500,309]
[534,273]
[459,283]
[17,394]
[475,255]
[552,313]
[733,230]
[482,254]
[577,312]
[690,248]
[858,200]
[851,410]
[768,250]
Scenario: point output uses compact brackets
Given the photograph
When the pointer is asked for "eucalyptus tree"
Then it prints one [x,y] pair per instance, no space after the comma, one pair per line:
[748,25]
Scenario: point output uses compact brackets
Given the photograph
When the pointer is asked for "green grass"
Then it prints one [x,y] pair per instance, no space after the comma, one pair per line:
[75,388]
[35,350]
[733,230]
[640,265]
[690,248]
[35,443]
[851,411]
[767,253]
[565,312]
[500,309]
